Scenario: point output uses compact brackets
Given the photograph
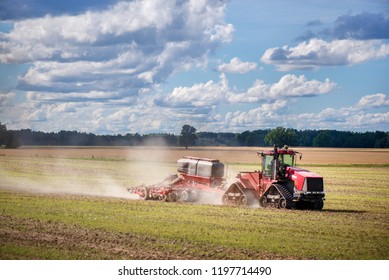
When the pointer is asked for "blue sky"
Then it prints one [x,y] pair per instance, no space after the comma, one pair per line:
[151,66]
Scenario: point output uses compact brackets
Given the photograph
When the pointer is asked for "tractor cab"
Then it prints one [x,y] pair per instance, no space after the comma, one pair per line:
[274,162]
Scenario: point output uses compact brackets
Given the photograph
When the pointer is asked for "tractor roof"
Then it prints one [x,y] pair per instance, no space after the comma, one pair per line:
[279,151]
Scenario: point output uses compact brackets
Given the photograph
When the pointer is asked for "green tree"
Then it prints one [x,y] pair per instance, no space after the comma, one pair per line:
[382,140]
[8,138]
[323,139]
[187,136]
[3,134]
[281,136]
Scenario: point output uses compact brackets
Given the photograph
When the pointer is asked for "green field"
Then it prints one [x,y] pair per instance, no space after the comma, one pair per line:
[77,208]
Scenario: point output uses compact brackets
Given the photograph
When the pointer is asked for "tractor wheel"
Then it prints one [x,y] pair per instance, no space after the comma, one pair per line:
[243,200]
[248,198]
[263,202]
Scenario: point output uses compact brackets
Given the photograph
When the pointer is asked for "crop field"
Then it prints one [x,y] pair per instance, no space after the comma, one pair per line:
[72,203]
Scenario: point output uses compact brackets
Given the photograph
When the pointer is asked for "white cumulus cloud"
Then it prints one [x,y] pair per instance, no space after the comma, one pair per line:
[288,86]
[201,94]
[356,116]
[373,101]
[265,116]
[317,53]
[280,113]
[216,93]
[130,45]
[237,66]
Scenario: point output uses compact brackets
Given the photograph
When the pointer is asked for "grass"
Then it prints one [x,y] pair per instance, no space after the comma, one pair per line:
[329,234]
[49,225]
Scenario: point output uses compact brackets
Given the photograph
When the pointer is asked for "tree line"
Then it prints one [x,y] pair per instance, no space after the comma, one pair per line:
[292,137]
[190,137]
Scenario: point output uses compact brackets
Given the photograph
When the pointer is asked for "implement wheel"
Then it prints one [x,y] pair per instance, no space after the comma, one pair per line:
[194,195]
[172,197]
[145,193]
[184,196]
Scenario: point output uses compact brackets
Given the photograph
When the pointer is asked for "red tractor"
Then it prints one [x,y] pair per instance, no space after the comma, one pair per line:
[279,184]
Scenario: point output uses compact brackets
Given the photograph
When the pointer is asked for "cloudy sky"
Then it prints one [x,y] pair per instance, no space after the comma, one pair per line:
[146,66]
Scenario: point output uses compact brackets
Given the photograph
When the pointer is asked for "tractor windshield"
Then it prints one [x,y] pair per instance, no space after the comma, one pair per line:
[287,159]
[271,167]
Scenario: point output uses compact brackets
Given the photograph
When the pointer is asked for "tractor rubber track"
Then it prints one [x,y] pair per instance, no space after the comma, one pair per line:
[285,193]
[250,197]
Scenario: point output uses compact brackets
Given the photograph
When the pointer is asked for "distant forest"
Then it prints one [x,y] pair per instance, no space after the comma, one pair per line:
[261,137]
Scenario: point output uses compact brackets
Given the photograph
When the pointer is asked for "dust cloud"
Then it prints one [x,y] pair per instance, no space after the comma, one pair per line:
[46,184]
[107,172]
[64,176]
[103,171]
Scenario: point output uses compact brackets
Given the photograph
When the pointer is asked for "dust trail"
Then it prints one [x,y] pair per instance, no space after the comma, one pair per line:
[102,186]
[210,198]
[87,175]
[97,176]
[64,176]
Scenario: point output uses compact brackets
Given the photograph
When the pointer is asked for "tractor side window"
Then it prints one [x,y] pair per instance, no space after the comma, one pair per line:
[267,165]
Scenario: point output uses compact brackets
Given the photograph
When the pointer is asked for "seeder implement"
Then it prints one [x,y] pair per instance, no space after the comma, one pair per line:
[196,177]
